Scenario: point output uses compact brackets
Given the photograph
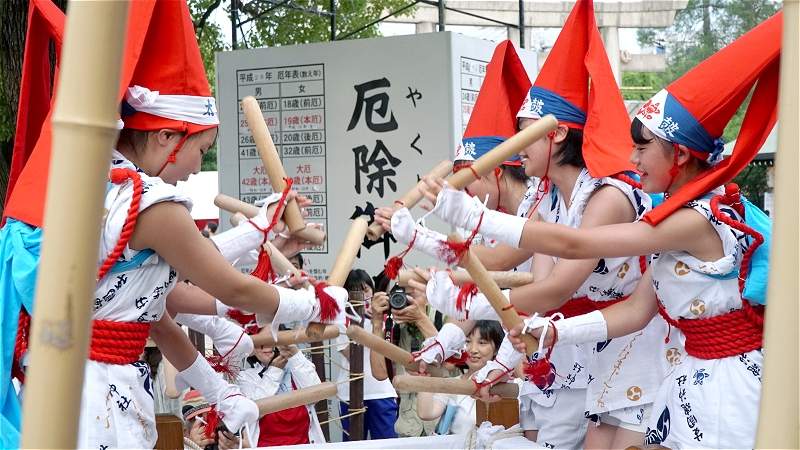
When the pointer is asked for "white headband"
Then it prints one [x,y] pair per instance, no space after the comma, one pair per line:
[188,108]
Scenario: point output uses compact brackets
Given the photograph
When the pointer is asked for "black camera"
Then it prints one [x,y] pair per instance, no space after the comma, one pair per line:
[398,298]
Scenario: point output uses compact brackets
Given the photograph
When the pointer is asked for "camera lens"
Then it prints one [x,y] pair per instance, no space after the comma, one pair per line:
[398,299]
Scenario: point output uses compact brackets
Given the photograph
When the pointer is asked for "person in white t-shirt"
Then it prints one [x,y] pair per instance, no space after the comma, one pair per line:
[380,398]
[482,344]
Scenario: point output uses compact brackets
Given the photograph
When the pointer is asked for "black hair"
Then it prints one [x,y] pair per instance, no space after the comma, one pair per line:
[637,134]
[515,172]
[571,151]
[205,233]
[382,282]
[153,356]
[212,226]
[491,331]
[357,279]
[299,257]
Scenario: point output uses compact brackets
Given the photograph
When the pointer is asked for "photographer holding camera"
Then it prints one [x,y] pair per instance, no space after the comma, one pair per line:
[406,325]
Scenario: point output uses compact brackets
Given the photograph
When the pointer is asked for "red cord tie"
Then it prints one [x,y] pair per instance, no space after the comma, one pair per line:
[119,176]
[395,263]
[465,295]
[264,270]
[328,308]
[417,354]
[118,343]
[222,364]
[21,344]
[542,372]
[736,332]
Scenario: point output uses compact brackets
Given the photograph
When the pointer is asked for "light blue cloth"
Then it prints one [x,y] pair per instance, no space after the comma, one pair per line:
[19,255]
[755,285]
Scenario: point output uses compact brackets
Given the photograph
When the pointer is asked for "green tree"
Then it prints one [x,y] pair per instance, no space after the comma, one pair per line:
[271,24]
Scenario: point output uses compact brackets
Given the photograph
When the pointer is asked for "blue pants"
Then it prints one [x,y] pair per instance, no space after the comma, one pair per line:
[379,418]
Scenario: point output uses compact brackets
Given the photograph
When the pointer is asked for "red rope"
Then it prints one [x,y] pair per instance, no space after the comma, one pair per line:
[736,332]
[21,344]
[264,270]
[119,176]
[627,179]
[118,342]
[582,305]
[395,263]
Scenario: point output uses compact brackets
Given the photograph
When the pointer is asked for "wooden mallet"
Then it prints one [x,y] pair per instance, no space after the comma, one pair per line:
[304,396]
[411,198]
[503,152]
[272,161]
[232,205]
[341,267]
[391,351]
[462,277]
[456,386]
[504,309]
[289,337]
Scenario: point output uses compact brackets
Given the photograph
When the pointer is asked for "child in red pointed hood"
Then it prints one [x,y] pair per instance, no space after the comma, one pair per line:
[148,238]
[702,246]
[583,167]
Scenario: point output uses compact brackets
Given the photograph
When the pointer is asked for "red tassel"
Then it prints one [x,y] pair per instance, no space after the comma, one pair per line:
[395,263]
[466,293]
[212,420]
[451,252]
[223,365]
[240,317]
[541,372]
[264,270]
[328,308]
[458,359]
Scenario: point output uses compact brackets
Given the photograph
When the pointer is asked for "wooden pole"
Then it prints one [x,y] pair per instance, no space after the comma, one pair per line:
[412,197]
[281,263]
[779,420]
[391,351]
[462,277]
[232,205]
[321,408]
[450,386]
[341,267]
[84,132]
[503,152]
[271,159]
[296,398]
[356,371]
[496,298]
[289,337]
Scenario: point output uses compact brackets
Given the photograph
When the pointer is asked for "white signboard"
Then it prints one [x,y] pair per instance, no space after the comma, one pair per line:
[356,123]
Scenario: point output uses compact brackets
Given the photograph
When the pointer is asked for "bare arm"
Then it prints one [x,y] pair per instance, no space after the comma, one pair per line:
[173,342]
[684,230]
[377,362]
[168,229]
[169,379]
[607,206]
[427,409]
[502,257]
[634,313]
[190,299]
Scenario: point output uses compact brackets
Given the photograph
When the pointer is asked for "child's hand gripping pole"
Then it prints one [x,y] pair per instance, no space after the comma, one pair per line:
[389,350]
[412,197]
[483,280]
[234,206]
[341,267]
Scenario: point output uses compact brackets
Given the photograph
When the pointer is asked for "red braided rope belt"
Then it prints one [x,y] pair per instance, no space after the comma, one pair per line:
[722,336]
[118,342]
[582,305]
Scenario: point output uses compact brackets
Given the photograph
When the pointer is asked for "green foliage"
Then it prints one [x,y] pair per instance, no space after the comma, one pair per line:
[699,31]
[752,183]
[640,81]
[268,25]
